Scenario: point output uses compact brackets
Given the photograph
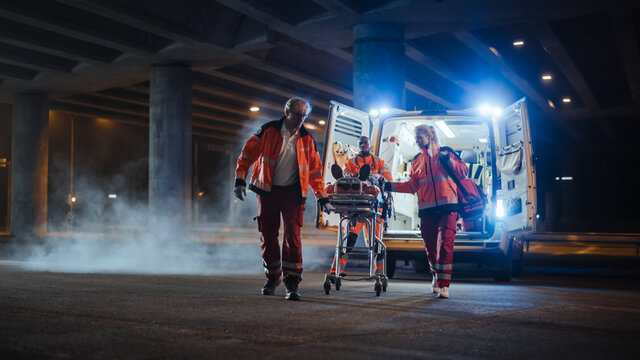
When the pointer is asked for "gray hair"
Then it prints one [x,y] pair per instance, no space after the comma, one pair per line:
[297,103]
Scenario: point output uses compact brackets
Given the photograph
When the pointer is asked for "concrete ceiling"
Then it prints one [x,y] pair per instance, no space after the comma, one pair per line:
[93,56]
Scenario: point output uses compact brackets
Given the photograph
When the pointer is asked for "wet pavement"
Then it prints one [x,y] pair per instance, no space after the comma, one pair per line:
[543,314]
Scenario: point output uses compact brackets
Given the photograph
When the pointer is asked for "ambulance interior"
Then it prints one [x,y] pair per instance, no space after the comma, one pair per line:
[471,141]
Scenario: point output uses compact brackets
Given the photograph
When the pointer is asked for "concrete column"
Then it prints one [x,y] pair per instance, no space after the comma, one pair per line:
[170,165]
[378,66]
[29,159]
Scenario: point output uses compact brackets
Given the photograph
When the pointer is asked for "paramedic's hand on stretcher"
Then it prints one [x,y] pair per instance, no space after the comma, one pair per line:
[239,190]
[387,186]
[324,202]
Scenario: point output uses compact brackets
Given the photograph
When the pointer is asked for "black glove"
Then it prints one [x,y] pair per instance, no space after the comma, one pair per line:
[387,186]
[240,190]
[323,202]
[444,157]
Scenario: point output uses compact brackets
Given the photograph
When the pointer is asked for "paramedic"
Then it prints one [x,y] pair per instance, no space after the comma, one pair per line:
[286,164]
[437,203]
[379,172]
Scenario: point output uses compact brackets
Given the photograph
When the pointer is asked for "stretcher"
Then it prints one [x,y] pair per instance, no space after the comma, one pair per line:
[354,200]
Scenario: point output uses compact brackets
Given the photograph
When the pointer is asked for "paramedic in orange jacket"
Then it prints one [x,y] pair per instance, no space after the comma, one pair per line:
[286,164]
[437,203]
[379,170]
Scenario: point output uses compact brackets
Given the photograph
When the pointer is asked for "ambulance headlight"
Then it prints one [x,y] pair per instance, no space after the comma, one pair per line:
[499,208]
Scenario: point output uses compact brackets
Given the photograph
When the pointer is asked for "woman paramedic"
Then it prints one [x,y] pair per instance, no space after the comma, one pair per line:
[437,203]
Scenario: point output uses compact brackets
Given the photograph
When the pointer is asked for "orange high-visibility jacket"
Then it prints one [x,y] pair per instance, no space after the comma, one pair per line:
[378,167]
[437,192]
[263,149]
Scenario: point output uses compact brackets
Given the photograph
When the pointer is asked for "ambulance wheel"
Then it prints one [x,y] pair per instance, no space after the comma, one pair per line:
[420,266]
[378,288]
[338,283]
[503,271]
[326,285]
[391,264]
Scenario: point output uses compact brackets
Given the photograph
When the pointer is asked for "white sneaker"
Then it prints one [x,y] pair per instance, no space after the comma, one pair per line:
[434,288]
[444,293]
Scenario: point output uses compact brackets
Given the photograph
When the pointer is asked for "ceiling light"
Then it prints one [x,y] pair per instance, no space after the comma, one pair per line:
[551,104]
[483,140]
[566,100]
[322,122]
[254,108]
[518,43]
[112,196]
[445,129]
[546,77]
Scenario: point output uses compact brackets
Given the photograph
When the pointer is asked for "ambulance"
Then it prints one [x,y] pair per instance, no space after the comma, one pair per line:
[495,144]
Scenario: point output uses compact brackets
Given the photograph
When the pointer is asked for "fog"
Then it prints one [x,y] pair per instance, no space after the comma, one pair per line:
[108,230]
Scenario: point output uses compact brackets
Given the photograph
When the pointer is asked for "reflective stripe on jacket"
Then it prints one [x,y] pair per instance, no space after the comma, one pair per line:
[263,149]
[377,166]
[430,180]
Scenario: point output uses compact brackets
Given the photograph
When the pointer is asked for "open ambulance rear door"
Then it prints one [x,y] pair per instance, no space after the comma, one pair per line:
[516,201]
[345,126]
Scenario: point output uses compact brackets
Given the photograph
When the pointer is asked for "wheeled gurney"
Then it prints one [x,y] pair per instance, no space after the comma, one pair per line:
[356,201]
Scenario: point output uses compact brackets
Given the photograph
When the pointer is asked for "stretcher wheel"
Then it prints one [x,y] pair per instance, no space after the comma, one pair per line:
[338,283]
[326,285]
[378,287]
[384,284]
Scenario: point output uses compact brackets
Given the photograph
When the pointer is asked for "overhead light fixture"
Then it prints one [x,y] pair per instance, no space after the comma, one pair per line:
[322,122]
[546,77]
[551,104]
[566,100]
[483,140]
[445,129]
[254,108]
[518,43]
[112,196]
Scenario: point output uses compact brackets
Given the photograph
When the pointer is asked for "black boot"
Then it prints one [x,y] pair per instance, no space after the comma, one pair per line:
[270,287]
[291,288]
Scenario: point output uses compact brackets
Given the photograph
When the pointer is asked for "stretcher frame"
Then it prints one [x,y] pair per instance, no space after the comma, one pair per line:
[354,208]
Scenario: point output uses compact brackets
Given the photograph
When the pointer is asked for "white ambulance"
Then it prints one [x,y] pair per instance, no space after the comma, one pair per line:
[496,146]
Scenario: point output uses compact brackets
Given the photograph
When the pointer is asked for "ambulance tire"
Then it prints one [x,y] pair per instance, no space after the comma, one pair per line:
[391,264]
[503,270]
[517,266]
[420,266]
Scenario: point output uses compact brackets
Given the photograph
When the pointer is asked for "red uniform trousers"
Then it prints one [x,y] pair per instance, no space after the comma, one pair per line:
[285,200]
[438,233]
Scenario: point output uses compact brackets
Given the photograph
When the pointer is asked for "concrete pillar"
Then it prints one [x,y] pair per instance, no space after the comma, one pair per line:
[378,66]
[29,159]
[170,148]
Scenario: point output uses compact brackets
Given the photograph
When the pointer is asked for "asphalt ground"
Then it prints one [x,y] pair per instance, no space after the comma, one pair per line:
[550,312]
